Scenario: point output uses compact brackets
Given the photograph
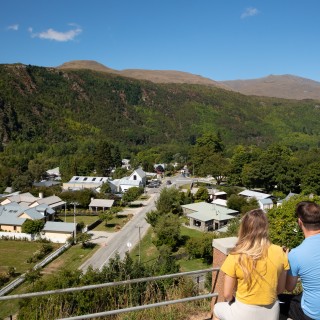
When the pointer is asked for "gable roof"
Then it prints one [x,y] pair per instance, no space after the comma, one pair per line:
[59,227]
[88,179]
[220,202]
[24,198]
[254,194]
[139,172]
[104,203]
[206,211]
[52,202]
[266,201]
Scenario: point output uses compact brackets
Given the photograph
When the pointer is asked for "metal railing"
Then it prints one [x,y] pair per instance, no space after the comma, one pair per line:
[16,282]
[125,282]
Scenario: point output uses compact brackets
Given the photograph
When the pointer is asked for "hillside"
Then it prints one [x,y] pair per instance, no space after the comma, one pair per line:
[283,86]
[156,76]
[61,105]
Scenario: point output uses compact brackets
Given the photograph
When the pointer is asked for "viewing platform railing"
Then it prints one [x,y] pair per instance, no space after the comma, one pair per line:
[125,282]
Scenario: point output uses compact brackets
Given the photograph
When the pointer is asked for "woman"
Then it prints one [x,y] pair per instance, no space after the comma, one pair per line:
[256,269]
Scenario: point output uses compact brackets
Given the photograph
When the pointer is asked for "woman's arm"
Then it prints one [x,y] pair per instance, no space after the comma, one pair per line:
[229,287]
[282,281]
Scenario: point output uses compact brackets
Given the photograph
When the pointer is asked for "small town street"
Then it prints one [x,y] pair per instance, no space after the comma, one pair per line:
[128,237]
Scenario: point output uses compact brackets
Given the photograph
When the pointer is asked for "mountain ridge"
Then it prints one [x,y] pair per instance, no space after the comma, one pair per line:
[285,86]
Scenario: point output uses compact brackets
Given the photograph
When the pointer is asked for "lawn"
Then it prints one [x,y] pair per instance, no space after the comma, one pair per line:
[15,254]
[149,252]
[192,233]
[87,220]
[71,259]
[115,224]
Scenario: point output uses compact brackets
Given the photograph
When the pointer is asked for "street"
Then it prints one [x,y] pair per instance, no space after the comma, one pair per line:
[128,237]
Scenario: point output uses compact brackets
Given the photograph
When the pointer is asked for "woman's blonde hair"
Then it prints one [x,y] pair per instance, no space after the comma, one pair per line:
[253,242]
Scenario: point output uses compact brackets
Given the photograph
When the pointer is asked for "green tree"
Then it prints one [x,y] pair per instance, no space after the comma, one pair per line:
[242,155]
[202,194]
[105,188]
[32,226]
[167,231]
[283,223]
[132,194]
[103,158]
[216,165]
[169,201]
[33,275]
[236,202]
[310,179]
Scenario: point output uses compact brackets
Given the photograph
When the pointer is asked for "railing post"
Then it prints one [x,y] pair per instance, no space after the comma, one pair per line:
[221,248]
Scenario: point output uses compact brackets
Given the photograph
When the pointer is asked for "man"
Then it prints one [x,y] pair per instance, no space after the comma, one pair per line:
[305,264]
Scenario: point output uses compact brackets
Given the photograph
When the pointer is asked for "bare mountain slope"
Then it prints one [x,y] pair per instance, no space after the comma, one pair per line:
[282,86]
[279,86]
[86,64]
[156,76]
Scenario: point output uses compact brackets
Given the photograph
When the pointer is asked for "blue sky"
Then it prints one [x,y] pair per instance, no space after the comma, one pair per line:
[218,39]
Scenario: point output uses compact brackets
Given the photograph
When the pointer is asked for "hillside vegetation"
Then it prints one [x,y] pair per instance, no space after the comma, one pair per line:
[51,105]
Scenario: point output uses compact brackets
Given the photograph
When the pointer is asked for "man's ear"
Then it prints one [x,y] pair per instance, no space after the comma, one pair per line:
[300,223]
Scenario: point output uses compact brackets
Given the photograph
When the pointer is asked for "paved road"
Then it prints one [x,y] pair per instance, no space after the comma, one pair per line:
[128,236]
[118,241]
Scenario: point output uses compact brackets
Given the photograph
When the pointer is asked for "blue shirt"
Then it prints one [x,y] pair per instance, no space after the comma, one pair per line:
[305,262]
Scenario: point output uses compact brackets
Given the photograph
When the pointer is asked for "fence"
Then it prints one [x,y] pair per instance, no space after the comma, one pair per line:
[126,282]
[16,282]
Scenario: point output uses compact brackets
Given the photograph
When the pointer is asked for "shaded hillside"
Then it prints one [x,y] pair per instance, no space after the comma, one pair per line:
[156,76]
[55,105]
[284,86]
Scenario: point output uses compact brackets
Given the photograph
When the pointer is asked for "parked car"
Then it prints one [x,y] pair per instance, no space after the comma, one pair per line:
[168,182]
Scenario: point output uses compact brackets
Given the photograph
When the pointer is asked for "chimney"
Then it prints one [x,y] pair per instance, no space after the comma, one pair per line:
[41,195]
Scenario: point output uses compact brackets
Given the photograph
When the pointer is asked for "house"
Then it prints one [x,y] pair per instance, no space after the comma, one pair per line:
[84,182]
[265,204]
[254,194]
[220,202]
[9,218]
[46,183]
[54,174]
[126,164]
[206,216]
[53,202]
[217,194]
[58,232]
[138,178]
[289,195]
[264,199]
[101,204]
[23,199]
[40,212]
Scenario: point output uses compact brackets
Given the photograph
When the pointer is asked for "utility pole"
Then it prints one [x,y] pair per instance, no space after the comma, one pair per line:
[139,227]
[75,203]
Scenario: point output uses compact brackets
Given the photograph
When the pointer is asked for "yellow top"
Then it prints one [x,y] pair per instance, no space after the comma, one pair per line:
[263,290]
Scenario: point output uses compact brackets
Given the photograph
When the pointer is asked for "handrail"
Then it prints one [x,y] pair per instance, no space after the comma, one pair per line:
[146,306]
[103,285]
[112,284]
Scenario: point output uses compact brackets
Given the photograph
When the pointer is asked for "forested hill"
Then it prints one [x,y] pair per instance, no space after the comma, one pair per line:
[54,105]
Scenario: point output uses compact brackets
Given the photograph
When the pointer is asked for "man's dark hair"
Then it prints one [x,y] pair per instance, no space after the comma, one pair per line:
[309,214]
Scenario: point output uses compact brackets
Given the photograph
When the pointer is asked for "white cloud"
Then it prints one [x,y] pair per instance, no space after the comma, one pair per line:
[249,12]
[52,34]
[14,27]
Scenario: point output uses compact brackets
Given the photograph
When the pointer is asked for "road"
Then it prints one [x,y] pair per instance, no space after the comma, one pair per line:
[122,241]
